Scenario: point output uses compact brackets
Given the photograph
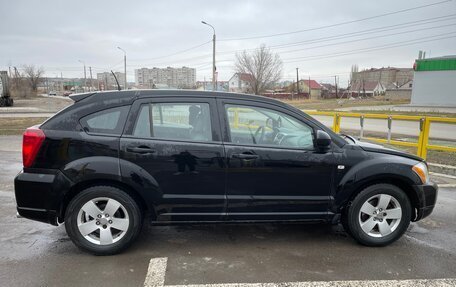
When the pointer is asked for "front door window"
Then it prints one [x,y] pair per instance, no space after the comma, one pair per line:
[260,126]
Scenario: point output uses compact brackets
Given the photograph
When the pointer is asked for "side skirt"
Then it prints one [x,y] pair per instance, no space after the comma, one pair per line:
[222,218]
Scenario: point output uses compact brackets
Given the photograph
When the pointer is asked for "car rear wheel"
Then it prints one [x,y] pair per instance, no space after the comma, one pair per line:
[103,220]
[378,215]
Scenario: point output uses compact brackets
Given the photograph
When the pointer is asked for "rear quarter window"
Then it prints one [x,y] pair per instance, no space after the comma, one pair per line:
[109,121]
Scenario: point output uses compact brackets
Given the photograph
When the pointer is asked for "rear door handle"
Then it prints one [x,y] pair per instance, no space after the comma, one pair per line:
[140,149]
[244,156]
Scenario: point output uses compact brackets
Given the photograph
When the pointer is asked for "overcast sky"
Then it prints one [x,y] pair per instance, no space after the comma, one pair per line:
[56,34]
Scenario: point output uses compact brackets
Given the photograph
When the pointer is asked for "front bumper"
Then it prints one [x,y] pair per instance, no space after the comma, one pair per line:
[39,194]
[427,197]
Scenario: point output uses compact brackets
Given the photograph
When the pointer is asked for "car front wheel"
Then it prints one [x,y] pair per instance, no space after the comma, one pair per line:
[379,215]
[103,220]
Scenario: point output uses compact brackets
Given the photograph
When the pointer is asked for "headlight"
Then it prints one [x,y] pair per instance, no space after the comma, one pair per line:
[422,171]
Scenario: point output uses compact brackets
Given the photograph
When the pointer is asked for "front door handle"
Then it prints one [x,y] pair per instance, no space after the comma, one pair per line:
[244,156]
[140,149]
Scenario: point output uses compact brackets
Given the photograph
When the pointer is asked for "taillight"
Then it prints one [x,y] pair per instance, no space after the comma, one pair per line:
[31,142]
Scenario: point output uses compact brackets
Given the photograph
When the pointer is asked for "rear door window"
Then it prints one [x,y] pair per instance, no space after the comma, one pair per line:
[109,121]
[179,121]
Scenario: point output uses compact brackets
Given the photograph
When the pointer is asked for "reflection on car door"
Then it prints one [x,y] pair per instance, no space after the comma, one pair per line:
[268,181]
[176,142]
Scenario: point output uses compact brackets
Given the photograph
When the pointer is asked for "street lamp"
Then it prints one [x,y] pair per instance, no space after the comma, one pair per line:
[214,84]
[125,66]
[85,75]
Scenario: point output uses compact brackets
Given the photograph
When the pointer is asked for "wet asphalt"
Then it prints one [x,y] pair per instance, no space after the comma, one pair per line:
[36,254]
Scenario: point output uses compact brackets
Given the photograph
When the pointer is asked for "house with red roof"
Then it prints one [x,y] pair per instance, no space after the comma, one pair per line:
[311,87]
[241,83]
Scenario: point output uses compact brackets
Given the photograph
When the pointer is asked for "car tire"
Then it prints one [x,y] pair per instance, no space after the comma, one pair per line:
[91,227]
[378,215]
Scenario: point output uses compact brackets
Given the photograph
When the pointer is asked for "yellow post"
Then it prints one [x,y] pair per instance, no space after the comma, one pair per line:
[336,123]
[423,140]
[236,118]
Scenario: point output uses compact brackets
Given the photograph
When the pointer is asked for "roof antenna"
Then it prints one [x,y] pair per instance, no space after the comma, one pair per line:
[118,86]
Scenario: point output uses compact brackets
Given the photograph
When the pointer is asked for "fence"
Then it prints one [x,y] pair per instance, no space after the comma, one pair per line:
[423,137]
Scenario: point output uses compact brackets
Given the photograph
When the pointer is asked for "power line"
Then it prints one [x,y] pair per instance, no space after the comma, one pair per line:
[286,45]
[368,38]
[338,24]
[116,64]
[330,38]
[362,32]
[323,39]
[173,54]
[202,64]
[369,49]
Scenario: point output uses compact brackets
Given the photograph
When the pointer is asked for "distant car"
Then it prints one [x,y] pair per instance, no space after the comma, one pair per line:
[52,93]
[114,159]
[67,93]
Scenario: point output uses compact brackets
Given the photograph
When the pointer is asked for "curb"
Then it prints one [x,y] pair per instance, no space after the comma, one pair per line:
[443,169]
[447,185]
[442,175]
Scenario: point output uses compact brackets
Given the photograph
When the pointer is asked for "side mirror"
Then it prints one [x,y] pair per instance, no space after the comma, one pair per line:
[323,140]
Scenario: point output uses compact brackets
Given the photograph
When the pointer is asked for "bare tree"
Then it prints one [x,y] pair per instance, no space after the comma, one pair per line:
[33,75]
[264,66]
[354,70]
[20,87]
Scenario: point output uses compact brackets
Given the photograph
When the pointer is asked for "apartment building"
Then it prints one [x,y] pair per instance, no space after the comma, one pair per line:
[184,77]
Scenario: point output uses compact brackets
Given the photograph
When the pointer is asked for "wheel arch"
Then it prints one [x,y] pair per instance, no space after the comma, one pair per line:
[82,185]
[400,182]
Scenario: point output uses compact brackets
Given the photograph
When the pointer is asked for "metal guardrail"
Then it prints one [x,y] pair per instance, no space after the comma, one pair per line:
[423,138]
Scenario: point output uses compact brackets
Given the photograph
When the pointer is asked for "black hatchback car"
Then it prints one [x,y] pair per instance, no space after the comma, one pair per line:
[113,159]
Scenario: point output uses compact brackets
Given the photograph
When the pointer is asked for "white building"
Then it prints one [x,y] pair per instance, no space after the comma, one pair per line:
[184,77]
[434,82]
[240,83]
[106,81]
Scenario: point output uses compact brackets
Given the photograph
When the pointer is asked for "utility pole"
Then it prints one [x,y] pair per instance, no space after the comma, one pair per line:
[335,83]
[310,90]
[85,75]
[125,67]
[16,76]
[297,80]
[91,81]
[214,83]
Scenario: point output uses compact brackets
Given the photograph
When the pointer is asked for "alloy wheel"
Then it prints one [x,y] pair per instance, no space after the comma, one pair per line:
[103,221]
[380,215]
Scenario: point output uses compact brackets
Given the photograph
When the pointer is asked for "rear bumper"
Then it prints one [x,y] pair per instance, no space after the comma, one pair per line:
[39,195]
[42,215]
[427,197]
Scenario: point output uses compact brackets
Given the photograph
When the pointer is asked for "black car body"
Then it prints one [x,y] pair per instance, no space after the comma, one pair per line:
[152,146]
